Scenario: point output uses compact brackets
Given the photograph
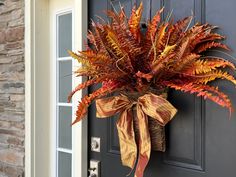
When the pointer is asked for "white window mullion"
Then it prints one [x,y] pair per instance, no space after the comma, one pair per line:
[64,150]
[65,104]
[64,58]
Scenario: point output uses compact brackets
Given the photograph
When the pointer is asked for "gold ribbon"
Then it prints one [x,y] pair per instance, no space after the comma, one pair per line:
[150,105]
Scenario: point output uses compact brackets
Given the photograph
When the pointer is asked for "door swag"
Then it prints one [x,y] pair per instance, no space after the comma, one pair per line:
[136,69]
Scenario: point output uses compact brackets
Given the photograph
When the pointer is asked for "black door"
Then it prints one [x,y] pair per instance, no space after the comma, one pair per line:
[201,140]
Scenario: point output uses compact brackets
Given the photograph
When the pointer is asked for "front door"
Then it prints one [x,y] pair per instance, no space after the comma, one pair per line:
[201,139]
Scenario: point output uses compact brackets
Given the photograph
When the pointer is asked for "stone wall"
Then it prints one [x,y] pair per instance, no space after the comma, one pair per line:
[12,88]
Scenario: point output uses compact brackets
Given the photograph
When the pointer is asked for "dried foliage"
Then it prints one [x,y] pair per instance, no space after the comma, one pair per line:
[167,55]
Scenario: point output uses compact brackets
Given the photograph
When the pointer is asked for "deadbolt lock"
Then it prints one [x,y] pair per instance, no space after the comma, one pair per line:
[95,144]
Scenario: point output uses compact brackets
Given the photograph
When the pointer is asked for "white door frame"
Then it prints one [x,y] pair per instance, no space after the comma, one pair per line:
[38,110]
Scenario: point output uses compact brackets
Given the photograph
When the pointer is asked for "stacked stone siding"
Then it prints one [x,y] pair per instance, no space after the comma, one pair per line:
[12,89]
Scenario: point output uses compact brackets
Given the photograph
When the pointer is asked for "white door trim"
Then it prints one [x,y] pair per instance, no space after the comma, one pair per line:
[28,43]
[32,7]
[79,131]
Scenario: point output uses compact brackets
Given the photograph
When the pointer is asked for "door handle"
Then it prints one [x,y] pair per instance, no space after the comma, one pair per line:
[94,169]
[91,172]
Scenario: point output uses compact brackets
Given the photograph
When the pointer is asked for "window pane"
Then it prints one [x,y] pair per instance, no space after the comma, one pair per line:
[64,164]
[64,34]
[65,115]
[65,80]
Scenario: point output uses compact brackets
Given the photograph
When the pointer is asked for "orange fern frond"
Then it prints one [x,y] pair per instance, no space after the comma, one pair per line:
[161,38]
[152,27]
[122,56]
[158,66]
[113,15]
[197,33]
[118,20]
[80,58]
[87,100]
[185,62]
[100,59]
[113,43]
[122,14]
[209,45]
[83,86]
[213,75]
[218,97]
[134,21]
[92,39]
[100,36]
[176,30]
[205,91]
[182,51]
[212,37]
[207,65]
[85,71]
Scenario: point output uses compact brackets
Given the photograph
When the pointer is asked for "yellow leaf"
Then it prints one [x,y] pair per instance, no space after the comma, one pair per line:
[134,21]
[167,50]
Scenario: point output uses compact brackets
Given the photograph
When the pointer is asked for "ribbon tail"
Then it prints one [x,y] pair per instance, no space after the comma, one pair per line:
[128,148]
[144,142]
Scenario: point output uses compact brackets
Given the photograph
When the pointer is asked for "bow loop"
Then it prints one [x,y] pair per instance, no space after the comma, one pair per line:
[157,107]
[107,107]
[149,104]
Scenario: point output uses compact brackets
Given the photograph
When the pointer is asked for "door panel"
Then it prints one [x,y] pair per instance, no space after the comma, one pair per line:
[200,139]
[185,134]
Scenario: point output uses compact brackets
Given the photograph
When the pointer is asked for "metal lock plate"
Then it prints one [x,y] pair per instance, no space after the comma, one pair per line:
[94,169]
[95,144]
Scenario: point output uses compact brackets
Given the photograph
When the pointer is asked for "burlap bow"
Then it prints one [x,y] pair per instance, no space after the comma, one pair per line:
[149,104]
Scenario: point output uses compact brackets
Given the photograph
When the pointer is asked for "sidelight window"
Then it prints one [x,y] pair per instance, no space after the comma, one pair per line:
[63,88]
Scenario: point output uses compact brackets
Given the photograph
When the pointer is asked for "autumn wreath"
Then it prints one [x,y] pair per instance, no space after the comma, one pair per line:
[140,66]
